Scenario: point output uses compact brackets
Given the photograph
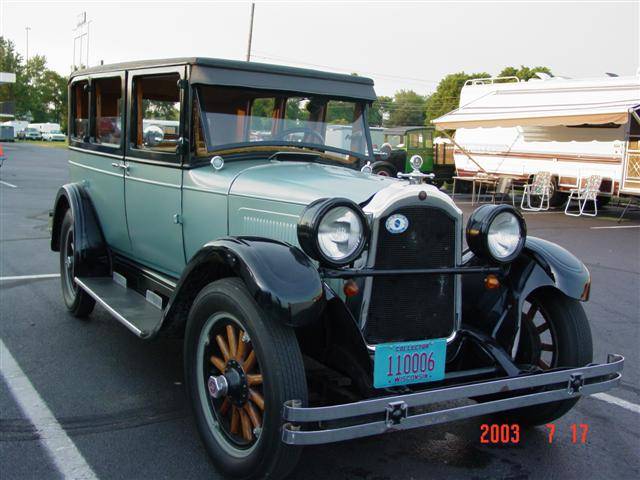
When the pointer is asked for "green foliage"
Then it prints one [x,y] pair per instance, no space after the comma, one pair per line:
[523,73]
[40,94]
[407,108]
[160,110]
[378,111]
[447,95]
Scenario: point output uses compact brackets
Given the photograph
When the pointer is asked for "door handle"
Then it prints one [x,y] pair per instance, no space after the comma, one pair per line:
[121,165]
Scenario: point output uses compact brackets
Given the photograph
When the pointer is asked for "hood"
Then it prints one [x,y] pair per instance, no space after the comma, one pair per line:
[302,183]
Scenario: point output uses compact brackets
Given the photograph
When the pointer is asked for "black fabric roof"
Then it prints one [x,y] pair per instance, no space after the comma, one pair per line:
[404,130]
[254,74]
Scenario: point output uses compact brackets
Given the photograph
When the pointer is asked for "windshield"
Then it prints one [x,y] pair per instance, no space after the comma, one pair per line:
[56,131]
[234,117]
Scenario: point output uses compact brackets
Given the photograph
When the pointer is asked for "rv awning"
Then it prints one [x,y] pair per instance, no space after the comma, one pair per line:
[511,107]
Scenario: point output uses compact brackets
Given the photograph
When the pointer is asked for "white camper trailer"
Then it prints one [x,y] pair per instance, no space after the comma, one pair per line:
[570,128]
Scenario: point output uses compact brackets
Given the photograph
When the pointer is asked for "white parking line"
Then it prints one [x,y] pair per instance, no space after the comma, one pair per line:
[615,226]
[61,449]
[29,277]
[605,397]
[8,184]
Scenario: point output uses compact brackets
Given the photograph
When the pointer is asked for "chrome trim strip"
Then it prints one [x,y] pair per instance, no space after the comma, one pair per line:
[152,182]
[94,152]
[117,316]
[99,170]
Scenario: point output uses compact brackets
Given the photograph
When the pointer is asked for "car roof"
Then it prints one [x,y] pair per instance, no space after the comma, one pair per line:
[404,130]
[253,74]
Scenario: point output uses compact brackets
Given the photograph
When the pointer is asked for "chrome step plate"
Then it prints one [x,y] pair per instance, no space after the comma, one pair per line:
[126,305]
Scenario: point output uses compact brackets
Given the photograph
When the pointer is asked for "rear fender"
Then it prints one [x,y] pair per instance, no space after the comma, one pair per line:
[92,254]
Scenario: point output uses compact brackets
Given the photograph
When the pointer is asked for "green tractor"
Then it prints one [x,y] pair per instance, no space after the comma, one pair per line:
[402,143]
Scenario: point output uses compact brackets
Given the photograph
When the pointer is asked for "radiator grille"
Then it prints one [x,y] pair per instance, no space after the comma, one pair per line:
[405,308]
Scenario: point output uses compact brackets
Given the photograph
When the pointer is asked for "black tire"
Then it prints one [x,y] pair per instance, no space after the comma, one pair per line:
[559,328]
[77,301]
[221,304]
[385,171]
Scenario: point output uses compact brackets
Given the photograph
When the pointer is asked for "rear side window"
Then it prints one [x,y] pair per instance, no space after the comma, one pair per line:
[108,111]
[80,110]
[156,119]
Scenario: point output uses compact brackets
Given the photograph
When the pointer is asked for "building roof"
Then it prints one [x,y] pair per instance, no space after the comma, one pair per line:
[255,74]
[545,103]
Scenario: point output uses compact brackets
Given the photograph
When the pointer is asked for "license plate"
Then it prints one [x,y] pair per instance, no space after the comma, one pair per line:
[405,363]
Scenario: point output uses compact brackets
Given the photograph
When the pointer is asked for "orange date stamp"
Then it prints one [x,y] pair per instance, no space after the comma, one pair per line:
[509,433]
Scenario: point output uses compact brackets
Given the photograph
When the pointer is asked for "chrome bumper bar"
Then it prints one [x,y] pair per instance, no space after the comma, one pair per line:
[394,412]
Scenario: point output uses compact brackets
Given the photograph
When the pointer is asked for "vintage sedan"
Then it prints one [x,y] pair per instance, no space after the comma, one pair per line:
[318,302]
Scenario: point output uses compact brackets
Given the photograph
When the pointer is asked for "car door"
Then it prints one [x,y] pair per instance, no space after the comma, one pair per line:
[96,150]
[153,176]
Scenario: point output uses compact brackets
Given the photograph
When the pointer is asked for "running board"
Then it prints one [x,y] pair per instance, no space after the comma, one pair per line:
[139,314]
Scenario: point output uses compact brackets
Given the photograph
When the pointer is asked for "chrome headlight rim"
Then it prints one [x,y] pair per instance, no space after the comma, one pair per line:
[309,224]
[478,228]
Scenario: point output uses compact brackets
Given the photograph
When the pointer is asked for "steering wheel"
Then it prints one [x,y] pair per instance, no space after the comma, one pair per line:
[304,130]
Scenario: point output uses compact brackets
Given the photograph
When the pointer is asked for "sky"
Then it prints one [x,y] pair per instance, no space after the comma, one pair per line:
[401,45]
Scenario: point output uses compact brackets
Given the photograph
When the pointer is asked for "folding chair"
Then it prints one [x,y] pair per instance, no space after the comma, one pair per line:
[583,195]
[540,187]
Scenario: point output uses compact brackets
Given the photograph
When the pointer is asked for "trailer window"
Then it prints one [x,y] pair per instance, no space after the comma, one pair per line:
[108,111]
[156,125]
[80,110]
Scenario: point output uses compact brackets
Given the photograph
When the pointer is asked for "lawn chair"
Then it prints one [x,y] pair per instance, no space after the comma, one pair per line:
[583,195]
[540,187]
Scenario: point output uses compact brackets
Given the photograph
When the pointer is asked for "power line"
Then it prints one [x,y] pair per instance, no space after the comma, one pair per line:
[270,56]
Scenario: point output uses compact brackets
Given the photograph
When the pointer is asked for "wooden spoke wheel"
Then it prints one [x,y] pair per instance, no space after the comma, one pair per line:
[240,368]
[538,346]
[554,333]
[231,358]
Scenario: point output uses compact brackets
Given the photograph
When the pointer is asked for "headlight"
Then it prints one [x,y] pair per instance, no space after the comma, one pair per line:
[333,231]
[497,232]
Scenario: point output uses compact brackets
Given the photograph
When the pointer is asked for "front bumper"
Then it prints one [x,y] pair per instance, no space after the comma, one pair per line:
[399,412]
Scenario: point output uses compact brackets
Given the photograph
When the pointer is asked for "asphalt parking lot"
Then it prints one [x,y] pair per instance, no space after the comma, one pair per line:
[121,401]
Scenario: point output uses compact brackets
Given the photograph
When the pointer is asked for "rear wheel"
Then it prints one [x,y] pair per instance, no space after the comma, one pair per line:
[78,302]
[240,369]
[555,333]
[385,171]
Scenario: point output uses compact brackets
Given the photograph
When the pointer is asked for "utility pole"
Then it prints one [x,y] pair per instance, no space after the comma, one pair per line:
[27,29]
[253,6]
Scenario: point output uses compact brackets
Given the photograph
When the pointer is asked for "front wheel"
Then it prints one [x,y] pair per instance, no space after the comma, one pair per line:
[554,333]
[240,367]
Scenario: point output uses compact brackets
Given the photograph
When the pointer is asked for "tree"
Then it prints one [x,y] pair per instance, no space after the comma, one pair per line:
[407,108]
[379,110]
[523,73]
[40,94]
[447,94]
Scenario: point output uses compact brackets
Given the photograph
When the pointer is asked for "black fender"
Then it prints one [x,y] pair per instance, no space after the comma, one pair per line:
[542,264]
[92,254]
[280,277]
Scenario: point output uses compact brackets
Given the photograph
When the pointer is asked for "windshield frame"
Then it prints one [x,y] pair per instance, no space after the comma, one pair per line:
[268,146]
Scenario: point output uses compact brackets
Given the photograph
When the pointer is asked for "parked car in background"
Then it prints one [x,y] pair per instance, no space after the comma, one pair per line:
[54,136]
[402,143]
[318,302]
[32,133]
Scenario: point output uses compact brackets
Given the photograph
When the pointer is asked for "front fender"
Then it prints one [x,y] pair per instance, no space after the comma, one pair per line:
[542,264]
[280,277]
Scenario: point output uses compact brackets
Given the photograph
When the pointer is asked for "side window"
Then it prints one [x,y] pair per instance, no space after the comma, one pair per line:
[416,140]
[108,111]
[156,113]
[79,110]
